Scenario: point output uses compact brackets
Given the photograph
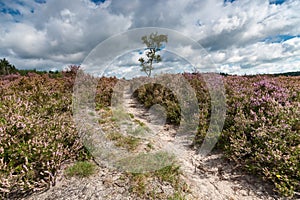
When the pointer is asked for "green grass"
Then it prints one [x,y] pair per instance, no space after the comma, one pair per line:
[81,169]
[139,183]
[138,131]
[120,115]
[177,196]
[139,122]
[169,174]
[128,142]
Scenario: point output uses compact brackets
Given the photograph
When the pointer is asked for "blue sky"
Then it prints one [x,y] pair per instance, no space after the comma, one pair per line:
[241,36]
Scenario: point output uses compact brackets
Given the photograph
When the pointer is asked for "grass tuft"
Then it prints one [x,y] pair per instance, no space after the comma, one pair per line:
[81,169]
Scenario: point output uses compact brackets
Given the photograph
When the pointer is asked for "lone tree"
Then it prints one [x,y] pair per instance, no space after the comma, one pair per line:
[154,43]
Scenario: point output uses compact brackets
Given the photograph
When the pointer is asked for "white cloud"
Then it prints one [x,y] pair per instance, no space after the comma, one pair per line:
[234,69]
[58,33]
[263,57]
[23,39]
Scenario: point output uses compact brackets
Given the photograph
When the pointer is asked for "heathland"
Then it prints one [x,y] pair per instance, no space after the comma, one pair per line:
[261,133]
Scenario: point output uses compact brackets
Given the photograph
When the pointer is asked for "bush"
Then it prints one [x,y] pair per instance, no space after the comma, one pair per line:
[151,94]
[258,132]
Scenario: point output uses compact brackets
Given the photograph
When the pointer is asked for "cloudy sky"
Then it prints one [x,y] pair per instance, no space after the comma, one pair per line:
[241,36]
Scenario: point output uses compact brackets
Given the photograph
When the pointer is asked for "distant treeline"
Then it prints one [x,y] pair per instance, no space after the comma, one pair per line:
[275,75]
[6,68]
[288,74]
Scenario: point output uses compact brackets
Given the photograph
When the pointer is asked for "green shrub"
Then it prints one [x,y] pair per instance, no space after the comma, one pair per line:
[151,94]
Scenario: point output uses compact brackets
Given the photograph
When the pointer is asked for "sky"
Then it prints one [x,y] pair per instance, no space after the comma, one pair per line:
[240,36]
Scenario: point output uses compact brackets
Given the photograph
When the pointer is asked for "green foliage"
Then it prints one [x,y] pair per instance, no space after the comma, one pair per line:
[26,72]
[140,186]
[128,142]
[169,174]
[151,94]
[6,68]
[154,44]
[81,169]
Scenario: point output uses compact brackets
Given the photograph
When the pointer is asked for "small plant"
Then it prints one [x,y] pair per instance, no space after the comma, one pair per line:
[81,169]
[169,174]
[139,122]
[177,196]
[139,183]
[128,142]
[152,93]
[150,146]
[138,131]
[120,115]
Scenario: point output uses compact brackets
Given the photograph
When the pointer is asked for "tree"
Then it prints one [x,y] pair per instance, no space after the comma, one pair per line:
[6,68]
[154,43]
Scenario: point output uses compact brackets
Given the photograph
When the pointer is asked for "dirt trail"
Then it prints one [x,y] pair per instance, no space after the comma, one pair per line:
[211,177]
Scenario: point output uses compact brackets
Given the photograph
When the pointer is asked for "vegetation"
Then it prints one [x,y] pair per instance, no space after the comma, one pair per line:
[288,74]
[128,142]
[154,43]
[140,183]
[147,94]
[6,68]
[263,113]
[37,130]
[81,169]
[261,131]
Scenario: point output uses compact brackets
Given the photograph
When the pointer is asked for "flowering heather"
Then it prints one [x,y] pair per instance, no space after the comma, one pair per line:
[261,131]
[258,132]
[37,134]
